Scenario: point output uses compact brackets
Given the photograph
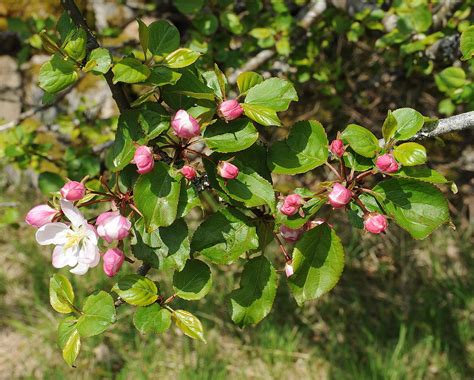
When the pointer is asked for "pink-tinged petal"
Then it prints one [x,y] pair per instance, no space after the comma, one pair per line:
[91,234]
[59,259]
[72,213]
[52,233]
[80,269]
[100,219]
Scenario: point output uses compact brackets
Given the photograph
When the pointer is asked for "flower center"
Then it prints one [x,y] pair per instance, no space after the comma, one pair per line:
[75,236]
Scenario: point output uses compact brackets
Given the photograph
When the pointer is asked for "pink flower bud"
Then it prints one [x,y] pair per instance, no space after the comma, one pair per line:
[291,235]
[40,215]
[339,196]
[184,125]
[113,260]
[337,147]
[73,191]
[112,226]
[144,160]
[375,223]
[289,269]
[188,172]
[291,204]
[227,170]
[386,163]
[230,109]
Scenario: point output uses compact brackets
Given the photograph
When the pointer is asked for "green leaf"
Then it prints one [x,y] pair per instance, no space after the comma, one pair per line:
[163,37]
[156,195]
[130,70]
[418,207]
[153,120]
[254,299]
[230,137]
[450,79]
[216,80]
[57,74]
[467,43]
[194,281]
[189,85]
[261,114]
[98,314]
[49,182]
[69,340]
[273,93]
[161,76]
[224,236]
[188,199]
[409,122]
[206,23]
[303,150]
[361,140]
[249,187]
[389,127]
[75,46]
[189,324]
[421,173]
[152,319]
[357,162]
[181,58]
[128,131]
[61,294]
[188,6]
[318,261]
[176,245]
[143,35]
[410,154]
[247,80]
[136,290]
[100,61]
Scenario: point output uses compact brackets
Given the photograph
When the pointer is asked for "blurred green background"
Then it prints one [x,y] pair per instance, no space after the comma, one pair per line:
[403,309]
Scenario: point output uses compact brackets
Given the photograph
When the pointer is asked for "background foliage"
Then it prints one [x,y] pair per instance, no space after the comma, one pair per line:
[412,300]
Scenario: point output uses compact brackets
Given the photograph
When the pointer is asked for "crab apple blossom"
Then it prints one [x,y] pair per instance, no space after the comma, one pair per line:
[289,269]
[112,226]
[386,163]
[76,243]
[144,160]
[339,196]
[112,261]
[291,234]
[188,172]
[184,125]
[73,191]
[40,215]
[291,204]
[337,147]
[227,170]
[230,109]
[375,223]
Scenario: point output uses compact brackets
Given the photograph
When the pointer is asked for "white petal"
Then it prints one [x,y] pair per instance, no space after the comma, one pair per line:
[91,234]
[61,259]
[88,253]
[72,213]
[72,253]
[52,233]
[80,269]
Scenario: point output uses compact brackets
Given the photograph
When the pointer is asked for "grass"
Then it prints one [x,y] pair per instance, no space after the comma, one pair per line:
[403,310]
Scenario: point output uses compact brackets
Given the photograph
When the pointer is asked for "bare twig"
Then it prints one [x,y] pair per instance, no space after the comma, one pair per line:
[308,14]
[252,64]
[447,125]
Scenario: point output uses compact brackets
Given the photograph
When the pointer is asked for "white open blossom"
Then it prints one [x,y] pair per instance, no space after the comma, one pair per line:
[76,244]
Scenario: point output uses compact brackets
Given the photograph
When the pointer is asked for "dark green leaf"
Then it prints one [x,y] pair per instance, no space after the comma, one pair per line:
[50,182]
[163,37]
[75,46]
[318,261]
[156,196]
[152,319]
[254,299]
[230,137]
[303,150]
[224,236]
[418,207]
[194,281]
[130,70]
